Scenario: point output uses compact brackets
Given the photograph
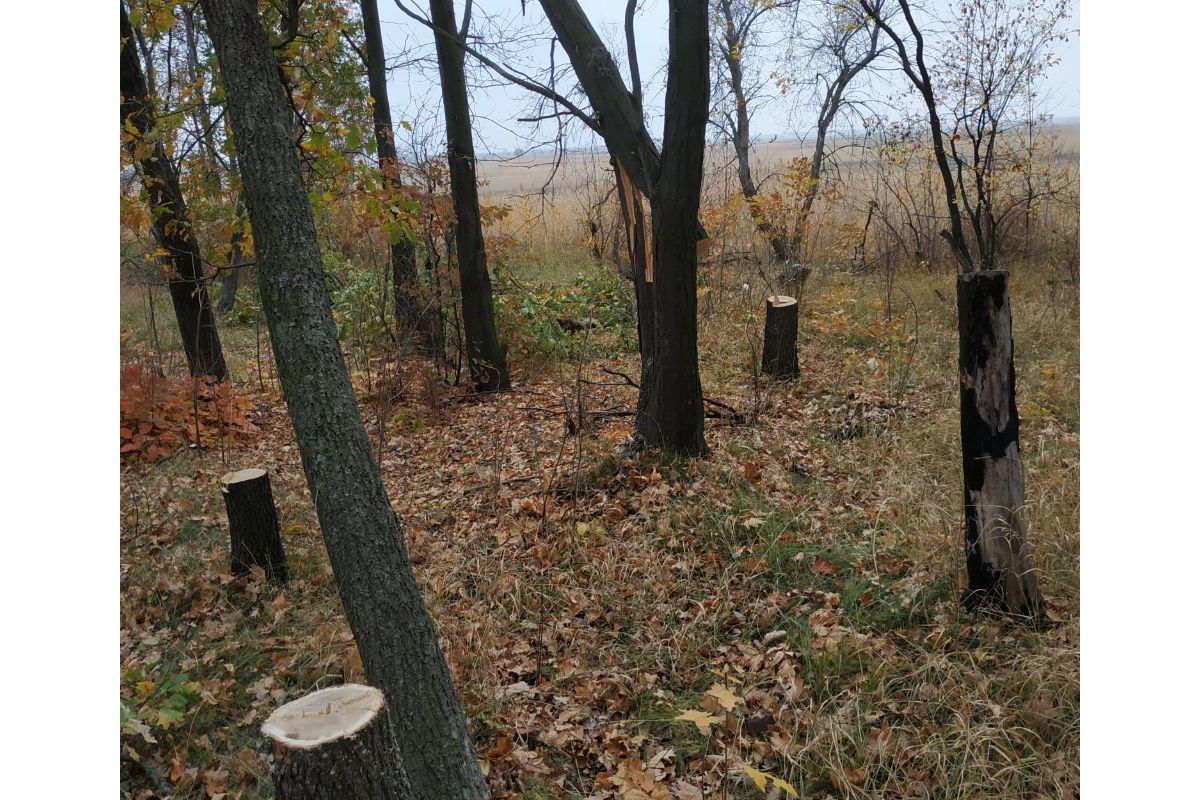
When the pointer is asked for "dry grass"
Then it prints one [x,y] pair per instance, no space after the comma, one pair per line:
[580,621]
[806,575]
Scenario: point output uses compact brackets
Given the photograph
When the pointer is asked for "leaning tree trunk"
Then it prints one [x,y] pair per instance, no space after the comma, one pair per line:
[335,743]
[254,539]
[779,337]
[999,571]
[169,218]
[395,635]
[485,354]
[412,313]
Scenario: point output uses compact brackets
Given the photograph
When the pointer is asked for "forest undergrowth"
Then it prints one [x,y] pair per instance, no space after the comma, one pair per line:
[778,619]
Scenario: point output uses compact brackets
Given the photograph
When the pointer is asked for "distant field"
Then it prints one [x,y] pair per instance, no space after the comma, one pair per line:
[528,174]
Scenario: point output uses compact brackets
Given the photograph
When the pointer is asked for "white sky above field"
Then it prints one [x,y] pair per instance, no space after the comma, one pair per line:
[413,87]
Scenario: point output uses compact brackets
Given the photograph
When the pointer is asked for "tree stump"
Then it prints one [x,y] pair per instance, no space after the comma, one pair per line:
[779,337]
[335,743]
[253,524]
[999,572]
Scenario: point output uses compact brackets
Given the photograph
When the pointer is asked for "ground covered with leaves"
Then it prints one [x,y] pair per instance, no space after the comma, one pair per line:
[779,619]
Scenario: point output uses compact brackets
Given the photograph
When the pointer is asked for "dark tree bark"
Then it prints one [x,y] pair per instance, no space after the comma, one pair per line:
[779,337]
[672,415]
[395,635]
[670,410]
[411,311]
[335,743]
[485,354]
[231,277]
[169,218]
[999,572]
[254,539]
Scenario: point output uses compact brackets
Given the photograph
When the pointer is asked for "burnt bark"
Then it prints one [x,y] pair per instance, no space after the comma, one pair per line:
[485,355]
[169,218]
[254,537]
[779,337]
[411,311]
[999,571]
[391,625]
[362,762]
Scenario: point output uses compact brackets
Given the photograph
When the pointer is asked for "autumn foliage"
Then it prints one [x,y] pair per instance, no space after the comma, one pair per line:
[160,415]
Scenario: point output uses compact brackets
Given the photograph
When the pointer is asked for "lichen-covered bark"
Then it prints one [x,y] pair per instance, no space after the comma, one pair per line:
[379,592]
[169,218]
[999,571]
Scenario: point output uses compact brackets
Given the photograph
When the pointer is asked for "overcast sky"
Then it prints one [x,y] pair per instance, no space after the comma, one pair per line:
[414,93]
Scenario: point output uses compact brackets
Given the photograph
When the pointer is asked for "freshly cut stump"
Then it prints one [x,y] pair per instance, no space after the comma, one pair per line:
[253,524]
[999,571]
[779,337]
[335,743]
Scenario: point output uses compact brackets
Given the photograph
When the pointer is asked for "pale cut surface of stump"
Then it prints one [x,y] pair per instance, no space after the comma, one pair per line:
[335,743]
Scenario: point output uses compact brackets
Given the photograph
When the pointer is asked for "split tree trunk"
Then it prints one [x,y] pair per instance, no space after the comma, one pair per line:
[169,218]
[254,539]
[485,354]
[999,571]
[335,743]
[391,625]
[670,410]
[779,337]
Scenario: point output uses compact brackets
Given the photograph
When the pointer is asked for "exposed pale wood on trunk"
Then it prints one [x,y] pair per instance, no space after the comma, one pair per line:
[335,743]
[999,569]
[392,627]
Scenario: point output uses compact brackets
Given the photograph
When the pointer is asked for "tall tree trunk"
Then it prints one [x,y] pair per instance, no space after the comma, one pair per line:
[999,571]
[485,354]
[169,218]
[393,629]
[411,312]
[237,257]
[670,410]
[672,415]
[732,52]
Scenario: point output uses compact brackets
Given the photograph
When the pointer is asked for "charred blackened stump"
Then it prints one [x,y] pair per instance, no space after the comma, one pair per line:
[999,572]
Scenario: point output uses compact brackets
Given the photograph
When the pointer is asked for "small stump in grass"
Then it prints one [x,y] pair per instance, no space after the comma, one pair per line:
[335,743]
[779,337]
[254,539]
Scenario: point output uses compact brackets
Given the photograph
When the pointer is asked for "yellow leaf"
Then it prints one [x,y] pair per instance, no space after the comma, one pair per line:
[759,778]
[702,719]
[726,698]
[787,787]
